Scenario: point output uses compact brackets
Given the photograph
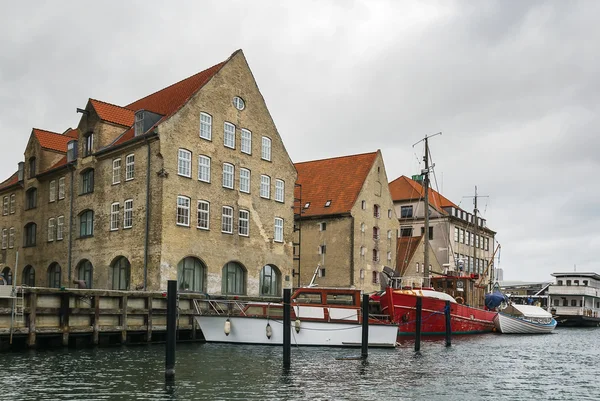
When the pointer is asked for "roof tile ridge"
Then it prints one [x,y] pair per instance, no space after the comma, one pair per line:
[44,130]
[110,104]
[337,157]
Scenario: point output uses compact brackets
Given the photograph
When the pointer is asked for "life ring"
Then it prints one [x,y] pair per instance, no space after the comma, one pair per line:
[405,317]
[460,300]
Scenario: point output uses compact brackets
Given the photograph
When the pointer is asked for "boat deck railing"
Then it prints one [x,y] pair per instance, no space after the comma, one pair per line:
[410,282]
[220,307]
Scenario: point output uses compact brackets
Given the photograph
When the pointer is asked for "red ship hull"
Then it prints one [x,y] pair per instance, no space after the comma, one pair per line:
[401,307]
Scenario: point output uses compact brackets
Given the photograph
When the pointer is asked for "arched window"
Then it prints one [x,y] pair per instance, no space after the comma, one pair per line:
[376,211]
[31,198]
[121,269]
[29,234]
[28,276]
[270,281]
[86,223]
[54,275]
[32,167]
[234,279]
[7,276]
[87,181]
[85,272]
[191,275]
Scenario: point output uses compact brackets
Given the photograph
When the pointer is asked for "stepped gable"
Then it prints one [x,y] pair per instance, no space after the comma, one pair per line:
[338,180]
[405,189]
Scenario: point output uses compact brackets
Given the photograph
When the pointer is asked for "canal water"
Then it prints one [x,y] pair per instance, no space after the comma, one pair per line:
[560,366]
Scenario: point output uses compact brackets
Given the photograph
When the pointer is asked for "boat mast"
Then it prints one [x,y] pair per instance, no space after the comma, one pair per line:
[475,231]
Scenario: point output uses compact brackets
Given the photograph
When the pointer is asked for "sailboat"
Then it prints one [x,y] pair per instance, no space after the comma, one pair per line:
[399,298]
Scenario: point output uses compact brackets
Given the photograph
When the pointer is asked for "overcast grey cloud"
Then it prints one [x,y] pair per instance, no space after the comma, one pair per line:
[513,86]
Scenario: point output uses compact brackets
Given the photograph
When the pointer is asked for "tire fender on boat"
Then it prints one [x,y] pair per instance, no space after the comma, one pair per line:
[460,300]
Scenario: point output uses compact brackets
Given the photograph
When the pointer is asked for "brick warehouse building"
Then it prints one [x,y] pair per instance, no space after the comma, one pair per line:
[191,182]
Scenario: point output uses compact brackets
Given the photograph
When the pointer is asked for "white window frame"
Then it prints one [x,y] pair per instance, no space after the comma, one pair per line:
[246,141]
[278,231]
[5,206]
[389,256]
[265,186]
[265,153]
[205,213]
[227,220]
[245,180]
[363,205]
[52,191]
[12,203]
[206,126]
[129,167]
[228,175]
[183,211]
[244,223]
[184,163]
[128,213]
[60,224]
[389,213]
[116,171]
[51,226]
[115,212]
[389,234]
[4,238]
[61,188]
[229,135]
[279,190]
[11,238]
[204,168]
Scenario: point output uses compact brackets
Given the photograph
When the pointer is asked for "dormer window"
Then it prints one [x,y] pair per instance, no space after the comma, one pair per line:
[328,203]
[307,205]
[139,123]
[88,144]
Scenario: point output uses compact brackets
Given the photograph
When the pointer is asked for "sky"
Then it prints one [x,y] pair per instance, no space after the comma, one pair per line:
[512,85]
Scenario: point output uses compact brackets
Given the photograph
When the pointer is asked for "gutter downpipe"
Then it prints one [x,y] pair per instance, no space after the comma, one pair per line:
[352,282]
[70,249]
[147,228]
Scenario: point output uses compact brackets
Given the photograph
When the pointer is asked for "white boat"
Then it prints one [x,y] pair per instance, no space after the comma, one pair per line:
[524,319]
[320,317]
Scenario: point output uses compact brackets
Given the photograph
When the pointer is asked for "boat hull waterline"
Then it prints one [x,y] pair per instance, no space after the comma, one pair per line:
[514,325]
[253,330]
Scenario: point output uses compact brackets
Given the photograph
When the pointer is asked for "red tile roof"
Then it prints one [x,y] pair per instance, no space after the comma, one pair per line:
[404,189]
[112,113]
[338,180]
[73,133]
[12,180]
[52,140]
[60,163]
[405,250]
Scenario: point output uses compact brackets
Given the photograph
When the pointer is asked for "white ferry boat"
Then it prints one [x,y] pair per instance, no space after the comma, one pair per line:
[574,299]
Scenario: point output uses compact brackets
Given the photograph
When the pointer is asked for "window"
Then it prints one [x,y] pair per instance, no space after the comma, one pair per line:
[321,273]
[476,241]
[183,211]
[376,211]
[246,141]
[204,168]
[573,302]
[306,205]
[418,267]
[362,227]
[363,205]
[51,191]
[88,144]
[234,279]
[85,272]
[87,181]
[238,103]
[61,188]
[228,171]
[5,206]
[205,126]
[129,167]
[462,236]
[455,234]
[28,276]
[375,276]
[363,251]
[51,229]
[559,282]
[467,238]
[60,223]
[191,275]
[270,279]
[323,226]
[121,271]
[328,203]
[487,240]
[31,198]
[278,230]
[406,212]
[128,214]
[265,186]
[568,282]
[12,204]
[227,220]
[11,237]
[86,224]
[322,249]
[116,171]
[389,256]
[472,238]
[266,148]
[244,223]
[4,238]
[406,231]
[114,216]
[376,233]
[557,302]
[389,234]
[229,135]
[184,163]
[375,255]
[54,275]
[245,180]
[389,213]
[138,128]
[279,190]
[32,167]
[29,237]
[203,215]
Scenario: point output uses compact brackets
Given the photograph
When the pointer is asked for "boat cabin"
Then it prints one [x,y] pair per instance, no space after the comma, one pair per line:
[465,288]
[575,294]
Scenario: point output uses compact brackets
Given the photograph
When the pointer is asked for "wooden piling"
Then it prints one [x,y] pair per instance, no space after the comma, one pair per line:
[287,327]
[31,336]
[418,324]
[96,323]
[171,328]
[365,326]
[64,318]
[448,324]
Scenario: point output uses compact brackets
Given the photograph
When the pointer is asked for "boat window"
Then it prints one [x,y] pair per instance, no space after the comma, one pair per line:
[308,298]
[568,282]
[575,282]
[573,302]
[565,302]
[556,302]
[597,304]
[559,282]
[580,303]
[340,299]
[585,282]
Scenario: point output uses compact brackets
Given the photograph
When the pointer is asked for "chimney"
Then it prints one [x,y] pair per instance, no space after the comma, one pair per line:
[21,171]
[72,151]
